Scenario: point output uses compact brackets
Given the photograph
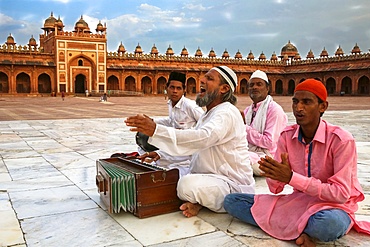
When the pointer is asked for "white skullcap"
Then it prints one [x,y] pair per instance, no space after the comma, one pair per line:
[260,74]
[229,75]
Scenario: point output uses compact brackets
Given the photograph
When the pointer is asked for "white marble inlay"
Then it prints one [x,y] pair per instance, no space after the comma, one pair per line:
[10,231]
[4,177]
[80,228]
[68,160]
[219,220]
[50,201]
[42,182]
[163,228]
[214,239]
[33,167]
[84,178]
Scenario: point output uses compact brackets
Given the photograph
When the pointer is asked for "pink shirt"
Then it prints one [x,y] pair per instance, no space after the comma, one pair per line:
[276,121]
[324,177]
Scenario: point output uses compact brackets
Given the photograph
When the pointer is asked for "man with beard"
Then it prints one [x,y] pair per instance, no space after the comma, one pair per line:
[264,119]
[183,113]
[319,160]
[220,160]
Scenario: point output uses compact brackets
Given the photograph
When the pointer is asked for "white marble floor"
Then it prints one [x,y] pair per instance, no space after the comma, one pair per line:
[48,195]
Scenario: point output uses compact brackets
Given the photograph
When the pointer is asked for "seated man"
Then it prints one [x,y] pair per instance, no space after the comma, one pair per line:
[183,113]
[220,163]
[264,118]
[319,161]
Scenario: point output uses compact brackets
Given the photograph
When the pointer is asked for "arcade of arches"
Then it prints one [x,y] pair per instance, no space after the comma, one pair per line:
[359,85]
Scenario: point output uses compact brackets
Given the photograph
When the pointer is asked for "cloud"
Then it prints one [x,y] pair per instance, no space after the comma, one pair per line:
[58,1]
[7,20]
[199,7]
[20,30]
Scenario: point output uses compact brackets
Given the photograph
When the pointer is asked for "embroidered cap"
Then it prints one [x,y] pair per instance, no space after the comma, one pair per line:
[229,75]
[260,74]
[314,86]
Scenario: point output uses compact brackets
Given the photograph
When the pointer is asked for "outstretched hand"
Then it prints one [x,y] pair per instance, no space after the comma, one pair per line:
[141,123]
[149,157]
[273,169]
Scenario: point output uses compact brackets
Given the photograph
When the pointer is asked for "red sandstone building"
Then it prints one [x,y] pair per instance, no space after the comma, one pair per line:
[78,61]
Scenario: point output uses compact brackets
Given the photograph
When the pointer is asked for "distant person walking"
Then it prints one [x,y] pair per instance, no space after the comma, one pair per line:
[165,93]
[63,95]
[87,93]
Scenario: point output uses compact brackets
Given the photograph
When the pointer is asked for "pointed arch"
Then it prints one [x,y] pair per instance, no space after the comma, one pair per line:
[23,82]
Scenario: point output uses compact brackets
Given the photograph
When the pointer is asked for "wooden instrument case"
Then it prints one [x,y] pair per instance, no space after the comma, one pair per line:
[155,187]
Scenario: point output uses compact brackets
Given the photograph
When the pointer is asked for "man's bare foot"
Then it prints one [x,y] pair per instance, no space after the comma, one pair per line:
[190,209]
[305,241]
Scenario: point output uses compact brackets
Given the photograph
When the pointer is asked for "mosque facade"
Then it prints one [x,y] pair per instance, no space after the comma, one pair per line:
[76,62]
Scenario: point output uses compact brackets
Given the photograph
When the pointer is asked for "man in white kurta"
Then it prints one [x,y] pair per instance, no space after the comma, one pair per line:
[183,113]
[220,162]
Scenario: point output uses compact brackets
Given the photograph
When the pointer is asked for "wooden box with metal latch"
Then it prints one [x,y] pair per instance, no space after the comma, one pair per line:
[140,188]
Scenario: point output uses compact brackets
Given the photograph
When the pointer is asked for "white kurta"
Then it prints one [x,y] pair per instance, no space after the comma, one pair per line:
[184,115]
[219,151]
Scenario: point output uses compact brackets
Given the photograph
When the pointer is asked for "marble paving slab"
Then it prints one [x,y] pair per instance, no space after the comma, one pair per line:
[163,228]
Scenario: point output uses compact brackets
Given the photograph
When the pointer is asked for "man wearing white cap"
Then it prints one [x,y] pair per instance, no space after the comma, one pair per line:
[220,162]
[264,118]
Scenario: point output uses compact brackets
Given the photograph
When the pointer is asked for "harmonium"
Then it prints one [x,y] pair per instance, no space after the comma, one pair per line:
[139,188]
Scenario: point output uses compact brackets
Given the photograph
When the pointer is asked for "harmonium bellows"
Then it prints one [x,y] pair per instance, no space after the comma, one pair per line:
[139,188]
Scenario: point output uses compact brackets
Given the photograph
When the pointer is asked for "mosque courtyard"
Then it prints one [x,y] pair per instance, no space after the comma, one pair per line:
[48,195]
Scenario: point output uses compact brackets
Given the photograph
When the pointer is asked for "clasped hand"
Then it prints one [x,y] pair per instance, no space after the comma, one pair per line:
[141,123]
[275,170]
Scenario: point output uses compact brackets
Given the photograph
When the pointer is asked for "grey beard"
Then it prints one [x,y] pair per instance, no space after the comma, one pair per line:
[207,99]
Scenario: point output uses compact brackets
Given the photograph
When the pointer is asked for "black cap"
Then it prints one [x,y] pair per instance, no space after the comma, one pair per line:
[177,76]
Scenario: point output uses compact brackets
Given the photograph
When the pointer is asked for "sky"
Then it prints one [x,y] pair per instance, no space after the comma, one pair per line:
[232,25]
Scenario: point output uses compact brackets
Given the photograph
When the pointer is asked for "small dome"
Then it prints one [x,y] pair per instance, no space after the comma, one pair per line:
[100,27]
[81,25]
[184,52]
[32,41]
[154,50]
[310,55]
[339,52]
[297,56]
[169,51]
[324,53]
[262,56]
[238,55]
[286,57]
[198,53]
[212,53]
[250,56]
[138,49]
[225,54]
[60,23]
[121,48]
[10,40]
[50,22]
[356,49]
[289,49]
[273,57]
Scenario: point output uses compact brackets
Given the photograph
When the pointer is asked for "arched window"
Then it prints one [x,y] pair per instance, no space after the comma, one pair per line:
[80,62]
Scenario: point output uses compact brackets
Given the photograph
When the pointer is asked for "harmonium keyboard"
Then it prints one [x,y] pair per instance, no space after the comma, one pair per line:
[139,188]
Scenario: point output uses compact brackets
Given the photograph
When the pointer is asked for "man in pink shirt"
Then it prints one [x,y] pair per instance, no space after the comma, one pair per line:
[319,161]
[264,119]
